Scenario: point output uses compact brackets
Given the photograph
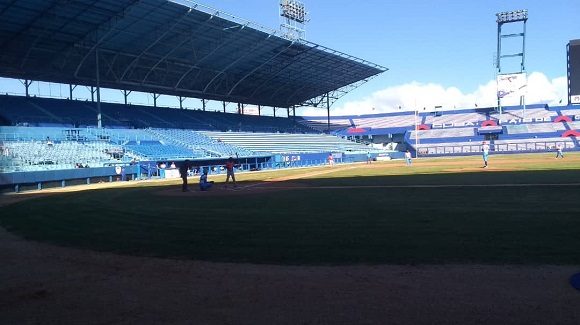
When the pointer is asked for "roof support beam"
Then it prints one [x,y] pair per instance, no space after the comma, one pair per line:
[151,45]
[175,48]
[110,29]
[28,27]
[221,45]
[259,67]
[288,65]
[8,6]
[43,35]
[110,22]
[226,68]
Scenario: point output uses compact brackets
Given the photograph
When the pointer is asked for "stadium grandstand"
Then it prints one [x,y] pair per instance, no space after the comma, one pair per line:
[160,47]
[535,128]
[184,49]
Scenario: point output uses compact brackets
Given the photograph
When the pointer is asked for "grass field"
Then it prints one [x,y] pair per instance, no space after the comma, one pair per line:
[524,209]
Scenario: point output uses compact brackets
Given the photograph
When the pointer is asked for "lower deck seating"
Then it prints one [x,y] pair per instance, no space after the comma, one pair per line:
[200,144]
[533,144]
[39,155]
[287,143]
[449,148]
[28,148]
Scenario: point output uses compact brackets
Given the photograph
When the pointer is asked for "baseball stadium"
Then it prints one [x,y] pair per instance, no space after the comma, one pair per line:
[122,213]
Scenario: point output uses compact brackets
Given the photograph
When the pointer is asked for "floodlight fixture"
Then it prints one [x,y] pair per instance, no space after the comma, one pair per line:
[293,10]
[293,17]
[507,17]
[512,16]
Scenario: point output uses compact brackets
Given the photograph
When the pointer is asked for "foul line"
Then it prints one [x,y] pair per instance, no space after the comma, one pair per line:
[267,183]
[260,185]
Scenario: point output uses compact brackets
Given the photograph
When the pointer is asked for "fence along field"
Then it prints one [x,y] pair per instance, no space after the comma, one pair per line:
[521,210]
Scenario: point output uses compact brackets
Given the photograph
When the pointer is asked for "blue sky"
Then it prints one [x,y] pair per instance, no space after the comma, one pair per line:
[447,44]
[428,41]
[435,50]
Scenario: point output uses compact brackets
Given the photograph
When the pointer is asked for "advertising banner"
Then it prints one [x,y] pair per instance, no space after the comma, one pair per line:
[511,85]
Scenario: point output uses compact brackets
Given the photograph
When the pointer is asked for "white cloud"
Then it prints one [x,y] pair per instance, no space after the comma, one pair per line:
[415,94]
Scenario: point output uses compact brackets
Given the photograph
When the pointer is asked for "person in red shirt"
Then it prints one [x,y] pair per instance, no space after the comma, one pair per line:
[230,164]
[330,160]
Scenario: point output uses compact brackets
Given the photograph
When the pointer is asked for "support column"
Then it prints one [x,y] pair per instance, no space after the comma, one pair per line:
[328,111]
[498,62]
[274,111]
[155,96]
[259,110]
[27,84]
[181,99]
[126,94]
[99,121]
[224,105]
[203,101]
[71,89]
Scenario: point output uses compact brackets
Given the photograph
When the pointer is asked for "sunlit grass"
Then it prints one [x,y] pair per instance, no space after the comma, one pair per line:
[337,215]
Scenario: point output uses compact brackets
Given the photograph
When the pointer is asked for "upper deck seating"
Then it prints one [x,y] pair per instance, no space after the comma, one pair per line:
[385,121]
[535,128]
[321,124]
[574,125]
[456,119]
[531,113]
[36,111]
[443,133]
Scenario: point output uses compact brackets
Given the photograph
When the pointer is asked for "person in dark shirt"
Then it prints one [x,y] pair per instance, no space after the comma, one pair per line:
[183,169]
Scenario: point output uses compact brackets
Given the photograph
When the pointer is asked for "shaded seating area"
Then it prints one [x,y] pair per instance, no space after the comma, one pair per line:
[36,111]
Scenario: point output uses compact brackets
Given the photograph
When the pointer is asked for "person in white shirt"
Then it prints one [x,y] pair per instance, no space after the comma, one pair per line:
[559,153]
[485,152]
[408,160]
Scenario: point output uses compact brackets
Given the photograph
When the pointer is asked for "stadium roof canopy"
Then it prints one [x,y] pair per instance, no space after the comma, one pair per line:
[172,47]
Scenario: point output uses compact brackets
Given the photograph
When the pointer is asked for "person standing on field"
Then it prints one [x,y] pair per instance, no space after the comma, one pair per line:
[408,160]
[559,151]
[485,153]
[330,160]
[183,169]
[230,165]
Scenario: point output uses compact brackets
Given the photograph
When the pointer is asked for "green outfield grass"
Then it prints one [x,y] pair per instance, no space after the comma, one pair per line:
[349,214]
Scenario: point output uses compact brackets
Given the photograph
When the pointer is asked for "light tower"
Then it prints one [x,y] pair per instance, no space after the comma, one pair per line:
[511,82]
[293,19]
